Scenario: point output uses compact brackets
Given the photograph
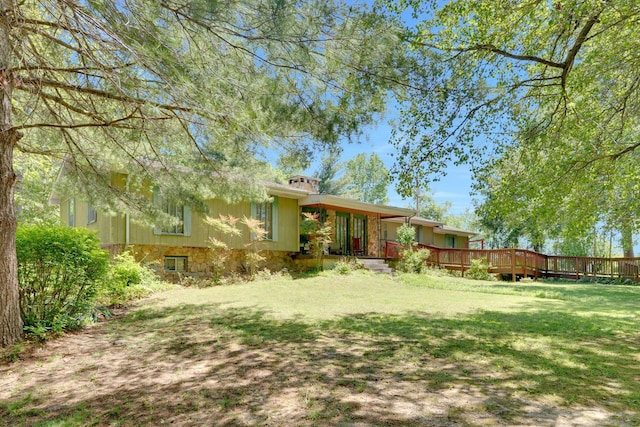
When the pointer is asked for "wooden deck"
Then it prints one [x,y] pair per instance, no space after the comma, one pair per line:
[525,263]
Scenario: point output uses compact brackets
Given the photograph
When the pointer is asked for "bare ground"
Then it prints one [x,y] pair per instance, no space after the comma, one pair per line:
[146,369]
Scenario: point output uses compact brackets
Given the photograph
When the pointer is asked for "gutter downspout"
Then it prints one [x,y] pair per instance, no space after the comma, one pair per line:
[127,230]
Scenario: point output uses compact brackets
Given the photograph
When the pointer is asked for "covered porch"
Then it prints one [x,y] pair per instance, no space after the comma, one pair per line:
[357,226]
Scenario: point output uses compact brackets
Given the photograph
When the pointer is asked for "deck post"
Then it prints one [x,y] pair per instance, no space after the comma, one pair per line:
[611,269]
[513,264]
[546,266]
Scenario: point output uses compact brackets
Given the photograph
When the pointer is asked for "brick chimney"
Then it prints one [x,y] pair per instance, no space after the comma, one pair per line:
[305,183]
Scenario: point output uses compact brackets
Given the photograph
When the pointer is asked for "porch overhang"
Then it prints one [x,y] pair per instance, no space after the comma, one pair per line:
[445,229]
[418,221]
[355,206]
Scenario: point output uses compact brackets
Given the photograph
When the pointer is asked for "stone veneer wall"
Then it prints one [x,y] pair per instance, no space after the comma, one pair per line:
[373,236]
[198,258]
[114,249]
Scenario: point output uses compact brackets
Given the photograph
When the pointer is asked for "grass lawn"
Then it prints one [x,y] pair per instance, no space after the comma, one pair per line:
[344,350]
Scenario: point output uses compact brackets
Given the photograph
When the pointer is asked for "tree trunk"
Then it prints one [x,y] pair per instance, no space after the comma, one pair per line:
[10,320]
[627,242]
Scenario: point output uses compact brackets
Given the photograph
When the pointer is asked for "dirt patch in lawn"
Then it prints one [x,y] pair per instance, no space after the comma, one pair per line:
[202,365]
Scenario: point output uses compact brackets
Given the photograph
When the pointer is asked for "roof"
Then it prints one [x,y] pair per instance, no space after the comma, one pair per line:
[327,200]
[284,190]
[445,229]
[439,227]
[416,220]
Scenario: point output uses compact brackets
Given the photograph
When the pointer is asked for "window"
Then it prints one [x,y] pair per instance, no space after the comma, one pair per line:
[182,213]
[449,241]
[177,211]
[92,215]
[418,233]
[176,263]
[267,214]
[71,208]
[342,232]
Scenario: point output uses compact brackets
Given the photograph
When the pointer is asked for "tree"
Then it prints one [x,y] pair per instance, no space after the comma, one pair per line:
[519,201]
[330,168]
[366,179]
[555,83]
[428,208]
[155,87]
[37,176]
[562,82]
[483,75]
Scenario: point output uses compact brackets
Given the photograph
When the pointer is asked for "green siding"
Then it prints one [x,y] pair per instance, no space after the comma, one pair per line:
[287,238]
[106,228]
[427,235]
[438,240]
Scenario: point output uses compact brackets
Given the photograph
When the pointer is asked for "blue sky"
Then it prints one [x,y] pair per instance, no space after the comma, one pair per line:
[454,187]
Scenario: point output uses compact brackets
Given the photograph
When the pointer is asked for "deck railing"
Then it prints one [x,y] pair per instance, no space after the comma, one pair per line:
[525,263]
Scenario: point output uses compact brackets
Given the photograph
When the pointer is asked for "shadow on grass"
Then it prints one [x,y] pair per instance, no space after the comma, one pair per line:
[203,364]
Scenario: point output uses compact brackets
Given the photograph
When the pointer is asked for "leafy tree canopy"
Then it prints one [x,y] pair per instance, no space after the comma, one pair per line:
[328,173]
[208,85]
[540,95]
[366,179]
[189,94]
[37,177]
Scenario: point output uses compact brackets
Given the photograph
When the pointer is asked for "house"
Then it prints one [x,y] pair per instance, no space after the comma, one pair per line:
[429,232]
[359,228]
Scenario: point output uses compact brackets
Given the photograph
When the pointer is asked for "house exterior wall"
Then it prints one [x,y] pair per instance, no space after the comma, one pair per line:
[391,229]
[151,248]
[112,229]
[439,240]
[287,228]
[426,234]
[198,258]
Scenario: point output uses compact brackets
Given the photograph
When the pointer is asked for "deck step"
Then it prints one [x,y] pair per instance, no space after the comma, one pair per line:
[376,264]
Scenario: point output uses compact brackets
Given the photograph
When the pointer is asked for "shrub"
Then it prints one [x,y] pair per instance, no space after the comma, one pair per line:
[347,266]
[226,227]
[60,271]
[406,234]
[127,280]
[318,235]
[479,270]
[413,261]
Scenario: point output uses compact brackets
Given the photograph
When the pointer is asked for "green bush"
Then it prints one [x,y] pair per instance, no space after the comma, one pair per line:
[413,261]
[127,280]
[60,271]
[406,235]
[346,266]
[479,270]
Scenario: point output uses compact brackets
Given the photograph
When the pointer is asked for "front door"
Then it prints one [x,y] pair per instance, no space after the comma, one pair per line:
[359,235]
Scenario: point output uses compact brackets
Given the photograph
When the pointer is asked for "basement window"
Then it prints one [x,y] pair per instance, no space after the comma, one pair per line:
[176,263]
